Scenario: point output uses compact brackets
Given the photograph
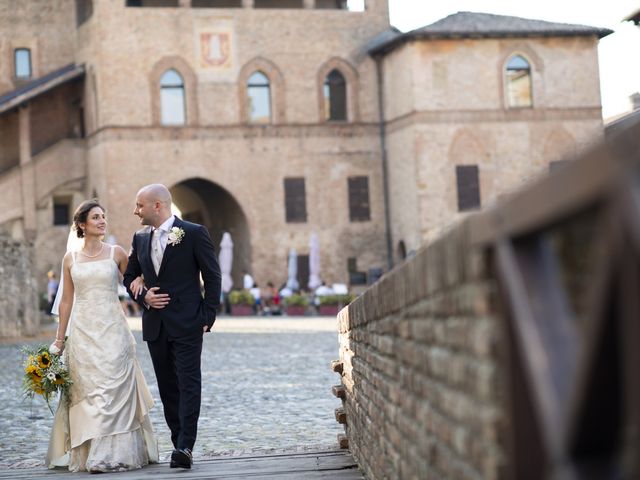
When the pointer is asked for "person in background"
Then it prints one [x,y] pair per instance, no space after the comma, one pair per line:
[247,281]
[257,306]
[52,289]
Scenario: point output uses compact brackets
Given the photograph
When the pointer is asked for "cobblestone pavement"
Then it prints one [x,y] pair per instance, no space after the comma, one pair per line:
[266,387]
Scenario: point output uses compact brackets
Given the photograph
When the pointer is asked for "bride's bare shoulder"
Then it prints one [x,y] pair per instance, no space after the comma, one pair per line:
[119,251]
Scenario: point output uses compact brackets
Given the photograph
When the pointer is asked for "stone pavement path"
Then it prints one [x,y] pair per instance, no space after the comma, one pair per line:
[266,387]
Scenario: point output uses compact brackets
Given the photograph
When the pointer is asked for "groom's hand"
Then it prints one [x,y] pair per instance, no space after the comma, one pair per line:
[156,300]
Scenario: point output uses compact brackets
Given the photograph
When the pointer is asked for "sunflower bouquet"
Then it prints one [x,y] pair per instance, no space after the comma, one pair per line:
[44,374]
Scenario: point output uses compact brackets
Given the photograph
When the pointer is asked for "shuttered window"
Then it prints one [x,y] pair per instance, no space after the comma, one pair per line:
[359,210]
[61,211]
[294,200]
[468,187]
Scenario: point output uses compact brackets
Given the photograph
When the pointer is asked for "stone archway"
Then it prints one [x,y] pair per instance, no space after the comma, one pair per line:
[207,203]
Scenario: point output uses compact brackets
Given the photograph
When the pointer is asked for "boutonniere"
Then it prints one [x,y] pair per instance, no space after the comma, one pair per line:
[176,234]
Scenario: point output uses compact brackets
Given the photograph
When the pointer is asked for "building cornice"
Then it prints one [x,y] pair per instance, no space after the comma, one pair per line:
[493,116]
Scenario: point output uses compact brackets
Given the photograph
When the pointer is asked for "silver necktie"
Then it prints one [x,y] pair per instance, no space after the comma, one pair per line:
[156,250]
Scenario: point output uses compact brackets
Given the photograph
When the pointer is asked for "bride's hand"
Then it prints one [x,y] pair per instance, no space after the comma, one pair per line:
[57,347]
[137,287]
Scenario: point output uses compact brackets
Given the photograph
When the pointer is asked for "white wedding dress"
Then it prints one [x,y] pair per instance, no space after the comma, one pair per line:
[104,425]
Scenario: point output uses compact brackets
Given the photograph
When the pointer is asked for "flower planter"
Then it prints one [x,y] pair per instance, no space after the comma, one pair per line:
[296,310]
[238,310]
[329,310]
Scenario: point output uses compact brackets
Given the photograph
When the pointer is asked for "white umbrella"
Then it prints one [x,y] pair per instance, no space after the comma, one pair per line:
[314,262]
[292,281]
[225,258]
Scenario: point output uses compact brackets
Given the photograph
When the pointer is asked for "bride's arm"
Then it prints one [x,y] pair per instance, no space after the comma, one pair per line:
[65,304]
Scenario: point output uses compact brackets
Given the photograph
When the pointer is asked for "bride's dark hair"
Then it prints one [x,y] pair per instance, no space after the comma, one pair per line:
[81,213]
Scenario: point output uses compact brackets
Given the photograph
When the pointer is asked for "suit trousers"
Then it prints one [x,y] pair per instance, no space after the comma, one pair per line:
[176,362]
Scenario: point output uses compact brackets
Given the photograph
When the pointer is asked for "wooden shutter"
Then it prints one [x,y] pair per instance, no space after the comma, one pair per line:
[295,200]
[359,210]
[468,187]
[303,272]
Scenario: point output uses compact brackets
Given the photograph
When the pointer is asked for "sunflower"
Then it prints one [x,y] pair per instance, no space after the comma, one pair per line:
[34,371]
[44,360]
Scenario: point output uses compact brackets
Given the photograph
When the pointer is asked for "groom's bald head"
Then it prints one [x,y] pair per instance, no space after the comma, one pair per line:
[153,204]
[156,192]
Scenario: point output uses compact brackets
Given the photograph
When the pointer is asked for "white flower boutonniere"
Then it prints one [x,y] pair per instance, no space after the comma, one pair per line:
[176,234]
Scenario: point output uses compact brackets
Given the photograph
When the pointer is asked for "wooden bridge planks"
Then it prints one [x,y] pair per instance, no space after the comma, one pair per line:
[334,465]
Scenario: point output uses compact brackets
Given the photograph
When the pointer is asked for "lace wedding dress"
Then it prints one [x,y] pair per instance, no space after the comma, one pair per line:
[104,424]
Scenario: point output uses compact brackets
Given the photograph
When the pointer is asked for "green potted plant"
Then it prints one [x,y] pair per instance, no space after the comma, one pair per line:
[296,304]
[242,302]
[332,304]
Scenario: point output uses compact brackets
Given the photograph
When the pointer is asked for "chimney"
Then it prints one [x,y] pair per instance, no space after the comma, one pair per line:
[635,101]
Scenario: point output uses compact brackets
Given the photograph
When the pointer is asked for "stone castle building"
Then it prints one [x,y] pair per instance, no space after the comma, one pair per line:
[274,119]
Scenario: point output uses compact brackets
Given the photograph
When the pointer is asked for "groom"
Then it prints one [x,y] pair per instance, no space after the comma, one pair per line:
[172,254]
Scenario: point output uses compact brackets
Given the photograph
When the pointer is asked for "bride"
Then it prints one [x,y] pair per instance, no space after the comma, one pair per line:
[103,425]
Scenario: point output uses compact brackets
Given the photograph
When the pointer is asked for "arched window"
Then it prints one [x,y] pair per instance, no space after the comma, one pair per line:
[259,98]
[172,100]
[22,60]
[518,82]
[335,96]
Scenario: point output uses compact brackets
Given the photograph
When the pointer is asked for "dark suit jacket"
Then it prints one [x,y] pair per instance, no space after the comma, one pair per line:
[179,276]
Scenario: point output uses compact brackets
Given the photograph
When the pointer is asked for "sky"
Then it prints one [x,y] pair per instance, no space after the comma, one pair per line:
[618,53]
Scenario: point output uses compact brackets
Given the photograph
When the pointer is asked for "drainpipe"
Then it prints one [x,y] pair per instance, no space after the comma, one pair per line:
[385,166]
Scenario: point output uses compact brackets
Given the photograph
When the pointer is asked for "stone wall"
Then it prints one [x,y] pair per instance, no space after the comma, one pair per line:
[19,314]
[419,368]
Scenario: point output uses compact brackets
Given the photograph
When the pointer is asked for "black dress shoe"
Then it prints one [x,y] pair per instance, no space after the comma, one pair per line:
[181,458]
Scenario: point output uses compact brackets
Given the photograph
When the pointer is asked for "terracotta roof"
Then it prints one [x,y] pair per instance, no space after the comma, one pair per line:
[485,25]
[39,86]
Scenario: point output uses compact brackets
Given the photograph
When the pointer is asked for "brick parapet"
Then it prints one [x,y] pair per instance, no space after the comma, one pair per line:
[420,367]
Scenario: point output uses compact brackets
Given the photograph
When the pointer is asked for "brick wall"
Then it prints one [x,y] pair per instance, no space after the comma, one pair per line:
[420,370]
[19,313]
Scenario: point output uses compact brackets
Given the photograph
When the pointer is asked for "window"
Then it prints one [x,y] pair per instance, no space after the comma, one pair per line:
[518,82]
[152,3]
[259,98]
[402,250]
[84,10]
[359,199]
[23,63]
[335,96]
[355,277]
[278,4]
[468,187]
[294,200]
[216,3]
[172,98]
[332,4]
[303,271]
[61,211]
[556,165]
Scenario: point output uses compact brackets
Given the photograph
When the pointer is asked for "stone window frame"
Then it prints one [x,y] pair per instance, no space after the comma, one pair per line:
[276,90]
[537,67]
[190,90]
[350,75]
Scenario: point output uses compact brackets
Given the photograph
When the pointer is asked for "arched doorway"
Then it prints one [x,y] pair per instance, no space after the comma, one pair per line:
[208,204]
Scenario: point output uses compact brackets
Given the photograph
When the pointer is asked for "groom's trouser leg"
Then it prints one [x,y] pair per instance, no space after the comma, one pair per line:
[164,365]
[188,352]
